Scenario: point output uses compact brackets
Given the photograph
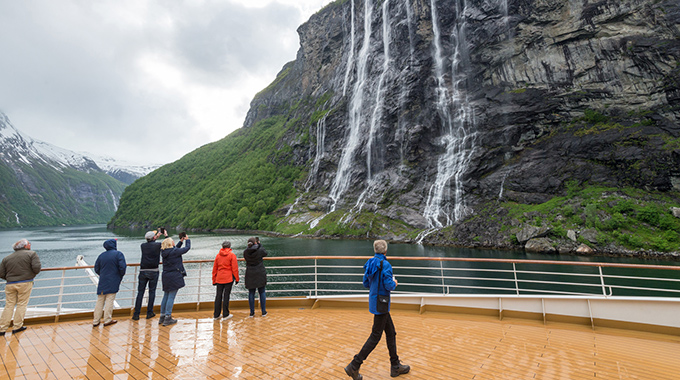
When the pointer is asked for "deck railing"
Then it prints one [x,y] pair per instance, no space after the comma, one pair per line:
[60,291]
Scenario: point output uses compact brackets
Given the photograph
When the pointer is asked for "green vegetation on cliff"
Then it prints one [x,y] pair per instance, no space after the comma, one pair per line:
[631,218]
[47,196]
[236,182]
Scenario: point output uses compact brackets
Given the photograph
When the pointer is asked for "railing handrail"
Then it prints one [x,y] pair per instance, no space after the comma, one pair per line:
[415,258]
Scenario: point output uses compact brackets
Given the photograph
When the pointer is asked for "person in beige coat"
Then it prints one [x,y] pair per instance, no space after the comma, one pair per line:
[18,269]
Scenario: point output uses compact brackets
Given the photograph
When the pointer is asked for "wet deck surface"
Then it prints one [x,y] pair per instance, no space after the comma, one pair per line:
[317,344]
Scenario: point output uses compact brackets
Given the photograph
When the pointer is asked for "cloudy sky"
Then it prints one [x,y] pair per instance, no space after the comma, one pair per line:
[145,81]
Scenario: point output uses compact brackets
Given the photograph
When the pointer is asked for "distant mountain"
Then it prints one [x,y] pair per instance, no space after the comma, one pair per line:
[123,171]
[41,184]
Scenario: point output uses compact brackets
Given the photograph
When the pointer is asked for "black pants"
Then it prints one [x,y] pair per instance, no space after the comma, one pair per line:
[222,299]
[146,277]
[381,322]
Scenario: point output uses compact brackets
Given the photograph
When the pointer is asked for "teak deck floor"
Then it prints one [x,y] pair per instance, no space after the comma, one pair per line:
[318,343]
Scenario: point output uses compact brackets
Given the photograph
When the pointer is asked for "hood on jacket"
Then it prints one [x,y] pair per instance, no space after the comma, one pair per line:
[225,251]
[110,244]
[373,265]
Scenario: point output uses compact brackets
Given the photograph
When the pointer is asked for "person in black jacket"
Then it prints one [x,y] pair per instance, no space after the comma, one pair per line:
[256,274]
[148,273]
[173,275]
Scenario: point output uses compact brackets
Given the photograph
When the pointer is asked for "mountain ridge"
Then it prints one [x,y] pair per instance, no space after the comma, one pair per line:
[46,185]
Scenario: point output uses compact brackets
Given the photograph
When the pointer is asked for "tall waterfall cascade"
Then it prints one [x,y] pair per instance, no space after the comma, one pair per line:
[354,136]
[445,199]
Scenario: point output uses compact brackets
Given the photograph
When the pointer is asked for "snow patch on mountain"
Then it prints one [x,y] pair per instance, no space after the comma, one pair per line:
[21,147]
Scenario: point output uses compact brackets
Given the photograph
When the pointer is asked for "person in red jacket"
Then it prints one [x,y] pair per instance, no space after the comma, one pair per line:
[224,275]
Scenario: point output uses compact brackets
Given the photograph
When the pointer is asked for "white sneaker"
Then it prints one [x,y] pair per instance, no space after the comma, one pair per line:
[230,316]
[217,318]
[265,314]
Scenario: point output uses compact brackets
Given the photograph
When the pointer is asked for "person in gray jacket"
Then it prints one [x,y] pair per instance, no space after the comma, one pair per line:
[18,269]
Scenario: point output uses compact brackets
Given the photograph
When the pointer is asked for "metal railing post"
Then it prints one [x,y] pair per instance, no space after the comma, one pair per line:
[61,295]
[441,274]
[604,288]
[200,277]
[316,279]
[514,272]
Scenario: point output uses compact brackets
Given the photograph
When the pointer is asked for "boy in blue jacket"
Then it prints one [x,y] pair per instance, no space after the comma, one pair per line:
[110,266]
[379,283]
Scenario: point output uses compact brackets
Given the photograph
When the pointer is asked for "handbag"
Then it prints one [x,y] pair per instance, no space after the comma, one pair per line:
[383,306]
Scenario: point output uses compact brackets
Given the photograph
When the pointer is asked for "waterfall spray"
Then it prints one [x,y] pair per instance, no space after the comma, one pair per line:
[350,58]
[442,207]
[342,177]
[379,94]
[319,152]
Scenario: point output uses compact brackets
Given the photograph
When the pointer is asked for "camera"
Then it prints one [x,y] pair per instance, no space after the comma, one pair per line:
[161,230]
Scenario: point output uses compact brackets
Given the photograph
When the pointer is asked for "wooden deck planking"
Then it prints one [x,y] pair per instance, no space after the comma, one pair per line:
[304,343]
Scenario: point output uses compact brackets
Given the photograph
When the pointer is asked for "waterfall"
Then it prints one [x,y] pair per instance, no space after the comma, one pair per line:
[350,57]
[500,193]
[290,210]
[342,177]
[403,94]
[17,217]
[319,154]
[379,94]
[114,201]
[409,21]
[442,207]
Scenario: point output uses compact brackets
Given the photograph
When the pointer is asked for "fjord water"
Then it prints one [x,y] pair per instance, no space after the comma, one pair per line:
[59,247]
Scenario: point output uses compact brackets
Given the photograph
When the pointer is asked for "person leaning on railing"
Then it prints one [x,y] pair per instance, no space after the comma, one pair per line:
[380,281]
[18,269]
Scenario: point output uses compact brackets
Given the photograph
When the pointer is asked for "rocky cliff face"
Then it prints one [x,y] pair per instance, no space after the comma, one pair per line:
[427,111]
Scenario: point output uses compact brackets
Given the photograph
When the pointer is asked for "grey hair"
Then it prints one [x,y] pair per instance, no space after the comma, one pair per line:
[380,246]
[21,244]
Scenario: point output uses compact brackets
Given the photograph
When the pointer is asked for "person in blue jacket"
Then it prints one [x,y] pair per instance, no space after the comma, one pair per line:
[110,266]
[378,282]
[173,275]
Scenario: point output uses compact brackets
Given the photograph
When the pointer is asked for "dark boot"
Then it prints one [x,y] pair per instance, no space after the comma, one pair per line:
[399,369]
[169,321]
[353,373]
[161,319]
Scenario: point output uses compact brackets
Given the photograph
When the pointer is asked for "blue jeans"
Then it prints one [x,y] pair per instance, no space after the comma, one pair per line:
[263,300]
[167,302]
[151,278]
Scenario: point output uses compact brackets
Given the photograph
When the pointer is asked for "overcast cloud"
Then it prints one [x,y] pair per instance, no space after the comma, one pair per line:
[145,81]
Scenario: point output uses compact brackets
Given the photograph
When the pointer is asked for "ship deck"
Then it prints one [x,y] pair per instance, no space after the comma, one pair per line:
[305,343]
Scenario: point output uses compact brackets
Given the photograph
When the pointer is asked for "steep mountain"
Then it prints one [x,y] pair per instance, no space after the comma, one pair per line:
[539,123]
[41,184]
